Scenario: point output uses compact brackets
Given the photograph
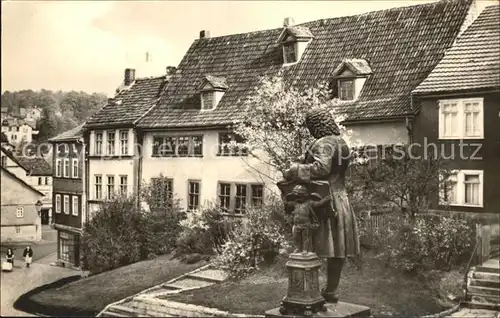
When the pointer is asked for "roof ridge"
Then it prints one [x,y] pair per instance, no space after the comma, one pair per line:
[21,180]
[150,77]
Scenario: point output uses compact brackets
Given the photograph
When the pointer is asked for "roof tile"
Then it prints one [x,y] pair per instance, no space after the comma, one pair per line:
[402,46]
[473,62]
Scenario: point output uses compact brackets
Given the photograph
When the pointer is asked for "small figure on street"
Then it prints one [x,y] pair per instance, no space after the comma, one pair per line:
[10,256]
[28,255]
[305,217]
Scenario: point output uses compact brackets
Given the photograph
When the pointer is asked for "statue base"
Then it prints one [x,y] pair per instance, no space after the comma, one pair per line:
[303,295]
[338,310]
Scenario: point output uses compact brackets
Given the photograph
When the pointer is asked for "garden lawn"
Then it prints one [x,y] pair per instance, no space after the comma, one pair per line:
[88,296]
[385,290]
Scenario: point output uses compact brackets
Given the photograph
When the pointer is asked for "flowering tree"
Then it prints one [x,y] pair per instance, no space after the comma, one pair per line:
[273,124]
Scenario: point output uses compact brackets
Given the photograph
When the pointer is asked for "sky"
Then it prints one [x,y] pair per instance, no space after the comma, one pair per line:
[86,45]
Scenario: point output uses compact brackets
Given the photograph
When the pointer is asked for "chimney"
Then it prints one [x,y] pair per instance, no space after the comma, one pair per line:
[288,22]
[204,34]
[129,76]
[171,70]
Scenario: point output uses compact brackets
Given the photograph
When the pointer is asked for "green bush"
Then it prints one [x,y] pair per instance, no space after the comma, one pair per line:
[203,232]
[431,242]
[112,237]
[257,240]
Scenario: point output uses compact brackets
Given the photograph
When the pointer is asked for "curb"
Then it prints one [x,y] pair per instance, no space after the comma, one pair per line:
[445,313]
[159,286]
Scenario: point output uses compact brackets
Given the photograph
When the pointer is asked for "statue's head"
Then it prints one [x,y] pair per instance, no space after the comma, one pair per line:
[321,123]
[299,193]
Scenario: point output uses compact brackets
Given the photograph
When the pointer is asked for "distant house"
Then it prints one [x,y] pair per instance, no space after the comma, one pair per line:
[39,176]
[373,61]
[34,113]
[69,197]
[19,219]
[460,112]
[17,130]
[114,157]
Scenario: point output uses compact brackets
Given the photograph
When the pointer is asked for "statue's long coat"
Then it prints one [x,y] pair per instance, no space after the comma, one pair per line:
[327,159]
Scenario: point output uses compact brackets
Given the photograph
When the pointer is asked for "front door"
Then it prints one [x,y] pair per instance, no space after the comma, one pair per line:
[45,216]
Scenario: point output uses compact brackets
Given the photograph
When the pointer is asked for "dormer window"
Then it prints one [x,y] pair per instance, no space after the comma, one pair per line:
[211,91]
[349,78]
[294,40]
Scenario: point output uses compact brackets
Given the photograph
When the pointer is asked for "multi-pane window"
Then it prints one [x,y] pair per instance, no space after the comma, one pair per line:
[162,192]
[66,167]
[124,142]
[193,195]
[461,118]
[98,187]
[346,89]
[230,145]
[40,180]
[58,167]
[123,185]
[46,180]
[66,204]
[240,199]
[180,146]
[464,187]
[111,143]
[289,53]
[19,212]
[76,206]
[225,196]
[237,197]
[58,203]
[207,100]
[98,143]
[75,168]
[111,187]
[257,193]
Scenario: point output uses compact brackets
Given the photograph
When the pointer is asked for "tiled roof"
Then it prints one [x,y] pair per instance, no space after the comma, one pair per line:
[357,66]
[129,104]
[299,31]
[12,157]
[13,176]
[216,82]
[36,166]
[402,45]
[72,134]
[473,62]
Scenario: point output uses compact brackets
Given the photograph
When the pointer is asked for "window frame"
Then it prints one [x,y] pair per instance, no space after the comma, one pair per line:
[74,164]
[233,195]
[19,212]
[192,207]
[288,46]
[65,196]
[157,148]
[221,149]
[58,203]
[66,168]
[98,143]
[205,93]
[459,176]
[461,129]
[111,148]
[98,185]
[340,90]
[4,161]
[123,185]
[124,141]
[73,205]
[111,195]
[59,167]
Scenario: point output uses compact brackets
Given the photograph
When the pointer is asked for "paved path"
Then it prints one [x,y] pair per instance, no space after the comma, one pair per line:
[22,279]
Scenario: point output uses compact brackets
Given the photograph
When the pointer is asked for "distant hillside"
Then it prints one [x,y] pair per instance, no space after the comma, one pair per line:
[60,110]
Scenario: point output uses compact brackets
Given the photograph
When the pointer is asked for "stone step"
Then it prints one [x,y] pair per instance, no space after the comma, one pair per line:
[487,276]
[490,266]
[481,305]
[485,283]
[120,311]
[479,290]
[484,299]
[161,308]
[211,275]
[188,283]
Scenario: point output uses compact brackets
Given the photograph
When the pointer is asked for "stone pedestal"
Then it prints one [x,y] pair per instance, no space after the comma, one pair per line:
[303,295]
[338,310]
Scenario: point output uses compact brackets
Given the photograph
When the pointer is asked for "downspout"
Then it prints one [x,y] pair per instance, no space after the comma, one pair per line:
[140,152]
[408,121]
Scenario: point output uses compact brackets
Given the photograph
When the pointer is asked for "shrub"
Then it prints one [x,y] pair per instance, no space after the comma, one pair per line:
[257,240]
[112,237]
[203,231]
[431,242]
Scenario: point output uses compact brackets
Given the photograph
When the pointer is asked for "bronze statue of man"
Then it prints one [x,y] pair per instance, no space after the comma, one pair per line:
[327,159]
